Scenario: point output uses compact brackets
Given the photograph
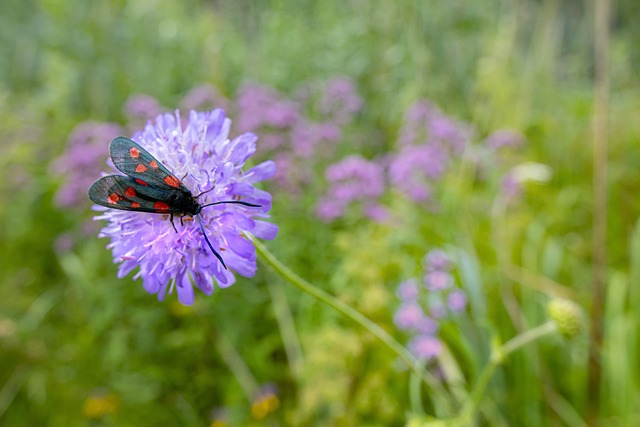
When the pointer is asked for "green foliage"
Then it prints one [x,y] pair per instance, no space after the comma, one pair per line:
[80,347]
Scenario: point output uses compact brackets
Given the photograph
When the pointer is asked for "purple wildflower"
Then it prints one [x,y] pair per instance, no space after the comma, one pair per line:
[511,187]
[202,153]
[457,300]
[307,136]
[408,290]
[141,107]
[438,260]
[203,97]
[504,138]
[427,326]
[415,167]
[409,316]
[353,179]
[84,155]
[260,106]
[340,100]
[425,347]
[438,280]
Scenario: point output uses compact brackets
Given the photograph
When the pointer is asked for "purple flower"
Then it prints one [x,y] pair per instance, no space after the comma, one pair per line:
[202,153]
[408,290]
[84,155]
[415,167]
[306,137]
[427,326]
[425,347]
[511,187]
[340,100]
[409,316]
[140,107]
[504,138]
[457,300]
[203,97]
[438,260]
[260,106]
[438,280]
[352,179]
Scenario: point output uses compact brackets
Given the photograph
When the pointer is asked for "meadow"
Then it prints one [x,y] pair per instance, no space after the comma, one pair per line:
[455,195]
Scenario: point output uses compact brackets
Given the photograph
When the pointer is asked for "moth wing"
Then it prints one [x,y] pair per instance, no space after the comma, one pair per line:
[133,160]
[124,193]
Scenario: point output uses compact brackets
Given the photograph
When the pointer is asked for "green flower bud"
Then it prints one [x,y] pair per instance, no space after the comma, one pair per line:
[567,316]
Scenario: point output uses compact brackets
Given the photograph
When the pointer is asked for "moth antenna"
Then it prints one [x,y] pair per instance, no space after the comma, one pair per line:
[236,202]
[209,243]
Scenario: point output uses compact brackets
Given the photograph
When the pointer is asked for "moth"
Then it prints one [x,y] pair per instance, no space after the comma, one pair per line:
[148,186]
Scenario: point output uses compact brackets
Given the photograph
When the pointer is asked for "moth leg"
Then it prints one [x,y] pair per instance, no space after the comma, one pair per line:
[172,224]
[181,223]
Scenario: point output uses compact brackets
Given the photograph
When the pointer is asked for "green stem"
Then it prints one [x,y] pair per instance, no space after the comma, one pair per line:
[497,357]
[290,339]
[337,305]
[236,363]
[438,395]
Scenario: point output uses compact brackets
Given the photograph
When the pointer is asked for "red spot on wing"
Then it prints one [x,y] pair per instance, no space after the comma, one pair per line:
[141,168]
[135,205]
[114,198]
[161,206]
[153,164]
[172,181]
[141,182]
[134,152]
[130,193]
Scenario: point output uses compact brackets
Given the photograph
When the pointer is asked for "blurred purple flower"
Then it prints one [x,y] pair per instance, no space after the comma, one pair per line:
[457,300]
[353,179]
[408,290]
[85,154]
[260,106]
[204,97]
[141,107]
[415,167]
[438,280]
[427,326]
[423,324]
[340,100]
[425,347]
[504,138]
[201,152]
[409,316]
[306,137]
[511,187]
[438,260]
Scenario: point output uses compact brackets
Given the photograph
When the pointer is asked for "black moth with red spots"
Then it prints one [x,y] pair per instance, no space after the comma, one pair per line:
[148,186]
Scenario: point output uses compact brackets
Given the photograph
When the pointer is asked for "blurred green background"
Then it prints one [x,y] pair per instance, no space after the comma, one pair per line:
[80,347]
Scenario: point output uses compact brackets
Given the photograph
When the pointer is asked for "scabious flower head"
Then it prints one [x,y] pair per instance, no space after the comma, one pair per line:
[201,152]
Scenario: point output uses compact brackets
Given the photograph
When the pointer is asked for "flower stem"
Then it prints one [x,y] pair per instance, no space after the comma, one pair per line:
[237,365]
[349,312]
[339,306]
[498,355]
